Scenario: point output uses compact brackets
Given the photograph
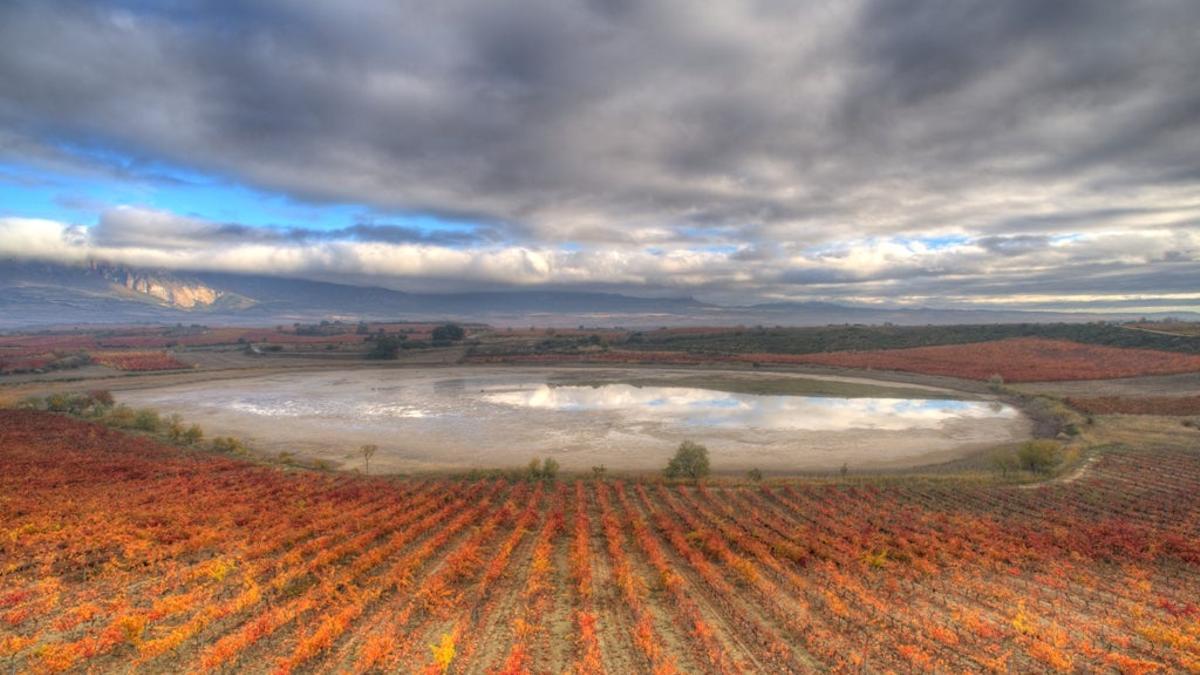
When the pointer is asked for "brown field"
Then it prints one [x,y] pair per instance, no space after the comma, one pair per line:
[1017,360]
[1170,327]
[1155,405]
[138,360]
[117,553]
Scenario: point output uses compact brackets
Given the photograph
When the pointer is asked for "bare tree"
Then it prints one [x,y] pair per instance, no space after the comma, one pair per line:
[368,451]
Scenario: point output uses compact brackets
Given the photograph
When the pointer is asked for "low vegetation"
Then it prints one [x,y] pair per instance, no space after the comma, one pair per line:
[812,340]
[1143,405]
[995,362]
[138,360]
[1017,360]
[120,553]
[690,461]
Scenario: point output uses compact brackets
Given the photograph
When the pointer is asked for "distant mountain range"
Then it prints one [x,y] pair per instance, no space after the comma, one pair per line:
[40,294]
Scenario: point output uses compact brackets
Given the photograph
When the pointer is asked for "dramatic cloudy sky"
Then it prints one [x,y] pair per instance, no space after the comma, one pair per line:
[940,152]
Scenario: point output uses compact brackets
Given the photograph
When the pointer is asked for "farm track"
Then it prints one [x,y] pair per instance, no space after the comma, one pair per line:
[117,553]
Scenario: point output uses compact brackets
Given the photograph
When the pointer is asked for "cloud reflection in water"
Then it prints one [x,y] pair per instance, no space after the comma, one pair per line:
[703,407]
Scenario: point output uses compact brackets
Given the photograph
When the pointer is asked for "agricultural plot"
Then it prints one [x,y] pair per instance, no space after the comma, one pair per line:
[138,361]
[1143,405]
[117,552]
[1017,360]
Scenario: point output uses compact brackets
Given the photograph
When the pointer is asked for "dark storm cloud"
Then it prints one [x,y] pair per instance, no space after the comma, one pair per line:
[768,128]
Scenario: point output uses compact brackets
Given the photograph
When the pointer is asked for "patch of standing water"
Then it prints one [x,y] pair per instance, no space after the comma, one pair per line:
[708,408]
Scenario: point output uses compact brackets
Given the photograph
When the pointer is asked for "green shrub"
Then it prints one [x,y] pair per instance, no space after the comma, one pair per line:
[1006,462]
[542,470]
[690,461]
[448,333]
[39,403]
[121,416]
[193,434]
[996,383]
[147,419]
[175,428]
[58,403]
[386,347]
[1040,456]
[227,444]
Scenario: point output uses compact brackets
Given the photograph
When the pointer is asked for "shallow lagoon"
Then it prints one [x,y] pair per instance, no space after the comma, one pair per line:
[457,418]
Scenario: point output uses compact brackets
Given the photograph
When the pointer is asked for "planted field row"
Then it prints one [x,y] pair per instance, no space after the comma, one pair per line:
[117,552]
[1019,360]
[1014,360]
[1142,405]
[138,360]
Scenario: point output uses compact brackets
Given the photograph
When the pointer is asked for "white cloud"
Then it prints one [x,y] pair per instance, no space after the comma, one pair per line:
[962,270]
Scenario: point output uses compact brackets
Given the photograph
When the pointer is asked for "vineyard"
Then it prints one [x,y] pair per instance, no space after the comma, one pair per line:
[138,361]
[118,552]
[1019,360]
[1016,360]
[1146,405]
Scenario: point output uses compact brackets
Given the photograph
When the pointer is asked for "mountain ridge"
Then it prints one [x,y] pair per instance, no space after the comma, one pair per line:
[34,293]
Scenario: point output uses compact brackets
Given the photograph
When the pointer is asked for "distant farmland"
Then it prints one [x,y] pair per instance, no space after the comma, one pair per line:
[117,552]
[1017,360]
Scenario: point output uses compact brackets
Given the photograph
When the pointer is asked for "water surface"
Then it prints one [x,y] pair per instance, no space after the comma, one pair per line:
[456,418]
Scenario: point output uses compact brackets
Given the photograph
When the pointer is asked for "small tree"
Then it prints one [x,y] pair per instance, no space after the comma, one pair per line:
[448,333]
[534,470]
[599,472]
[1040,456]
[1006,462]
[690,461]
[386,347]
[754,474]
[542,469]
[996,383]
[368,451]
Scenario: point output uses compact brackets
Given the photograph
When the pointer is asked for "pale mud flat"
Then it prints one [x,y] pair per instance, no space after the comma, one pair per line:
[434,419]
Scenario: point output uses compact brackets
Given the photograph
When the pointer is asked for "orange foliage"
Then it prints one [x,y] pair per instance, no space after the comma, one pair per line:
[1016,360]
[117,554]
[1142,405]
[138,361]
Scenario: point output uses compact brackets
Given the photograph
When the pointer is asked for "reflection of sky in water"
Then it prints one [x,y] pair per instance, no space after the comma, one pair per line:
[269,406]
[702,407]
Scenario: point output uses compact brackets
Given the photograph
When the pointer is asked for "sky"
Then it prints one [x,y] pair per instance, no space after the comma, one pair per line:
[942,153]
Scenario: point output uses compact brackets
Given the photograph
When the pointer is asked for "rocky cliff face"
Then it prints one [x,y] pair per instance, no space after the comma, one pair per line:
[166,288]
